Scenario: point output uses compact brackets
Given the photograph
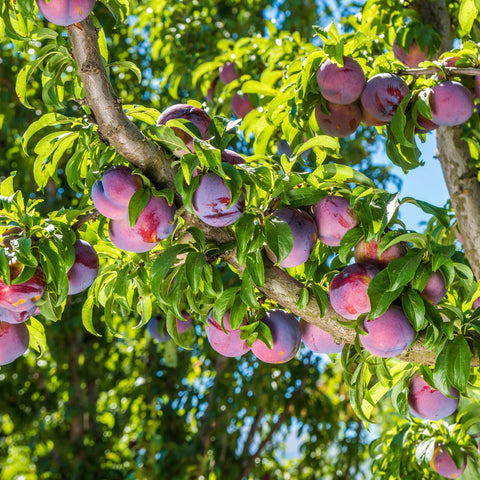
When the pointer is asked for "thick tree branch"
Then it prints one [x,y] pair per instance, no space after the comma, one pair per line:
[112,122]
[127,139]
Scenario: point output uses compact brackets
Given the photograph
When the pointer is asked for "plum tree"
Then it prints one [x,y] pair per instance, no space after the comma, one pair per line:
[340,121]
[334,217]
[111,195]
[14,340]
[435,288]
[65,12]
[195,115]
[91,113]
[341,85]
[286,337]
[318,340]
[443,463]
[382,95]
[429,403]
[389,334]
[413,56]
[211,202]
[304,233]
[84,269]
[223,338]
[348,290]
[451,103]
[367,252]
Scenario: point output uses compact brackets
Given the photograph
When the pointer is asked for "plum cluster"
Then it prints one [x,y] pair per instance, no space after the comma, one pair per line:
[111,196]
[18,302]
[351,99]
[65,12]
[240,103]
[211,201]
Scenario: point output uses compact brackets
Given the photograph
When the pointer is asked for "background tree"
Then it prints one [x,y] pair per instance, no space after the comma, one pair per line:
[125,406]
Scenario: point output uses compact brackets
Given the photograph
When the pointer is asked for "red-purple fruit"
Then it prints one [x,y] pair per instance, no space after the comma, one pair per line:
[225,341]
[231,157]
[24,296]
[304,233]
[211,199]
[389,334]
[443,463]
[476,303]
[286,336]
[341,85]
[334,217]
[9,316]
[348,290]
[112,194]
[342,120]
[451,104]
[123,237]
[367,252]
[411,58]
[65,12]
[318,340]
[195,115]
[429,403]
[84,269]
[425,125]
[435,289]
[14,340]
[383,94]
[240,105]
[227,73]
[156,221]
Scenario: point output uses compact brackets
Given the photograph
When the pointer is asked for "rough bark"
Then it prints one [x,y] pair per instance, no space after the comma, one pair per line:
[126,138]
[460,176]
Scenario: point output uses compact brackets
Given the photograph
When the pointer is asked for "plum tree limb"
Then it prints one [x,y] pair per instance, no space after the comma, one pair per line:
[143,153]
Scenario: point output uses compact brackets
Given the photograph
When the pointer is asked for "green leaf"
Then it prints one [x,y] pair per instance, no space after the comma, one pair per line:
[137,203]
[440,213]
[247,291]
[381,294]
[342,174]
[129,66]
[458,358]
[237,313]
[256,268]
[440,379]
[279,238]
[402,270]
[224,302]
[87,316]
[244,229]
[38,339]
[466,16]
[194,265]
[414,309]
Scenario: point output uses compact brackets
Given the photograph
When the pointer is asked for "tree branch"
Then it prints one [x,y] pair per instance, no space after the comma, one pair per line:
[127,139]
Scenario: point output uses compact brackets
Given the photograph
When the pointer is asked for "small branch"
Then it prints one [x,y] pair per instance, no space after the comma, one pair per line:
[450,71]
[85,218]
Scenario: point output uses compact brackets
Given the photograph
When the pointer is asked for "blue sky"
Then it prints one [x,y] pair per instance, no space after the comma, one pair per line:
[424,183]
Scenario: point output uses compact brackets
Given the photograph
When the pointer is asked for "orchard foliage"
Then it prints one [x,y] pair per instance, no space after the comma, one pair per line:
[215,172]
